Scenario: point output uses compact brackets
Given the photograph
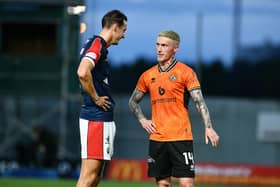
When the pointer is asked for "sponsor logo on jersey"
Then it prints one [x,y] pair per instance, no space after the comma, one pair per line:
[161,91]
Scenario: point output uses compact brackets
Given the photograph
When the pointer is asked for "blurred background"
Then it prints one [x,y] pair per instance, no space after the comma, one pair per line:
[234,46]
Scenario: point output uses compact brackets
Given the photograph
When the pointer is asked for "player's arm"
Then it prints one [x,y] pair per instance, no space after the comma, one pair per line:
[134,106]
[85,77]
[200,104]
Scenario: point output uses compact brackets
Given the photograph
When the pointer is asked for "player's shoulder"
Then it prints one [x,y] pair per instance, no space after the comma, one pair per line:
[95,40]
[151,70]
[184,66]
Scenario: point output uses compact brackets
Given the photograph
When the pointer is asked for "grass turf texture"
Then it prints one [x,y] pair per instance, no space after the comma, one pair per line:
[30,182]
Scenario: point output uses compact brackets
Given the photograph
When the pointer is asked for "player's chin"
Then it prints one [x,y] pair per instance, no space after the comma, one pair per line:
[160,59]
[116,42]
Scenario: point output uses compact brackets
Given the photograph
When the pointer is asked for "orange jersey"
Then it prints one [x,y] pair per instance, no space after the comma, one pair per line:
[167,94]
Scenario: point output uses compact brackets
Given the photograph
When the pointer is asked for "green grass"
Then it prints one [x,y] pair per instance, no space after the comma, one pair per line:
[30,182]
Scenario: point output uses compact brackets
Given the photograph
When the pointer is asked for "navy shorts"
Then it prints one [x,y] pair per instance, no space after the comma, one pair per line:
[168,159]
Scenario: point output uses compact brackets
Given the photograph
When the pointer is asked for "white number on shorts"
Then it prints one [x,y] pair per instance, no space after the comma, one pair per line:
[188,156]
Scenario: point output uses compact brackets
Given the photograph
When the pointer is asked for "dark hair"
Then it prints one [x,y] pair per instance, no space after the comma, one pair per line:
[113,16]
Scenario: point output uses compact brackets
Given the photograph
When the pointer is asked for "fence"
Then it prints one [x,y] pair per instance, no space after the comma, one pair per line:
[235,120]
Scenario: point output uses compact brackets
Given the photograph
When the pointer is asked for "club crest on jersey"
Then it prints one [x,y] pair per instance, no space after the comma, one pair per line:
[161,91]
[173,77]
[153,80]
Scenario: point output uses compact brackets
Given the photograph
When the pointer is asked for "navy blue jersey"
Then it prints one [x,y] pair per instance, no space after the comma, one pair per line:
[96,52]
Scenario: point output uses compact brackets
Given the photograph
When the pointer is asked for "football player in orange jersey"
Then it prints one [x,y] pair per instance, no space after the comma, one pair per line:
[171,141]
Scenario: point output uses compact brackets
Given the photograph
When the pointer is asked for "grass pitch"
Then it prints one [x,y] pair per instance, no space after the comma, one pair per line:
[31,182]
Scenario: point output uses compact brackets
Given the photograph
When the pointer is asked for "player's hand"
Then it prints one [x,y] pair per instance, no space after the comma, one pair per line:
[148,125]
[210,134]
[103,102]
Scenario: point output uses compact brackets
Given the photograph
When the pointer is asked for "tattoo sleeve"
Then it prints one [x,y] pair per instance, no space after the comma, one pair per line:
[133,103]
[201,107]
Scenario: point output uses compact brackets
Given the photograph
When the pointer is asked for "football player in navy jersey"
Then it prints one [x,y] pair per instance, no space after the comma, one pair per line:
[97,127]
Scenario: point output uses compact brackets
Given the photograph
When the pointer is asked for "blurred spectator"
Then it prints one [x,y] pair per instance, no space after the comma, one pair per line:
[38,150]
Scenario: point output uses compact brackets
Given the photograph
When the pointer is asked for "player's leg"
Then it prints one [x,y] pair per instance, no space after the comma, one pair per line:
[166,182]
[91,173]
[97,139]
[159,166]
[183,167]
[186,182]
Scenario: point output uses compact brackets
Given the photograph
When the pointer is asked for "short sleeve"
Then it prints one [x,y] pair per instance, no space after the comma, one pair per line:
[141,84]
[94,52]
[191,81]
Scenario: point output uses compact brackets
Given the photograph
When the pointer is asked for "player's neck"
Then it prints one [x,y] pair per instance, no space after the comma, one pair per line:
[166,64]
[106,36]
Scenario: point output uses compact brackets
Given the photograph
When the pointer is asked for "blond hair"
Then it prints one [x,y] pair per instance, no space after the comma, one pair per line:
[170,34]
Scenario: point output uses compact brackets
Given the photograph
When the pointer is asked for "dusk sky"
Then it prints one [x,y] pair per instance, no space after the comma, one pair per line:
[260,23]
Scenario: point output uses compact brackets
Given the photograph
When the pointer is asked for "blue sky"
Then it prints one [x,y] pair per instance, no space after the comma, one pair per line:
[260,23]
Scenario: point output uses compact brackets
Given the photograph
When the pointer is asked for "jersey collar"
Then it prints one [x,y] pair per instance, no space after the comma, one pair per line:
[169,67]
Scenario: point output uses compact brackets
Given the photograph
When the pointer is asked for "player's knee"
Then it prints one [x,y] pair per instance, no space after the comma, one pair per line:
[94,179]
[90,180]
[186,184]
[163,184]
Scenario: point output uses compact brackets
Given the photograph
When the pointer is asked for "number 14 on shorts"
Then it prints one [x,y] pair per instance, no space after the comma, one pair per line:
[188,157]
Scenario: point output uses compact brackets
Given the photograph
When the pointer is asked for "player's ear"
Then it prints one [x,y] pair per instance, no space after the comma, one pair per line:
[114,27]
[176,48]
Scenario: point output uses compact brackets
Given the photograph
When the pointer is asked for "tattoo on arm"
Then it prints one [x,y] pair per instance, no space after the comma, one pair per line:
[134,106]
[201,107]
